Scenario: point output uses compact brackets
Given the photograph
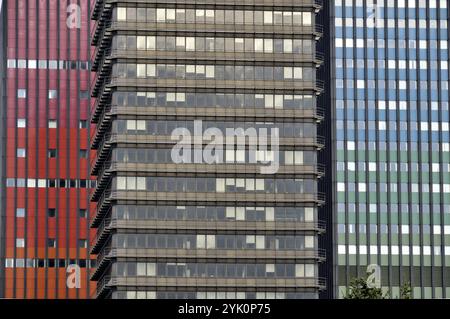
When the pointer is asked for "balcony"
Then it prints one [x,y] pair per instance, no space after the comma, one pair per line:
[101,13]
[266,284]
[104,146]
[209,113]
[106,227]
[97,8]
[244,169]
[314,30]
[316,86]
[100,103]
[243,255]
[102,127]
[207,198]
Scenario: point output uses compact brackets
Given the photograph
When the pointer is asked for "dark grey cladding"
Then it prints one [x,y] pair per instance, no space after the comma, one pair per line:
[198,230]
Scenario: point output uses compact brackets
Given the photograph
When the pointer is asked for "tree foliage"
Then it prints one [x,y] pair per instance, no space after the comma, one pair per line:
[359,289]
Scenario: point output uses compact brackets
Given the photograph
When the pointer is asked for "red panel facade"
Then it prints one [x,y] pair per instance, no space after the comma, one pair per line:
[46,176]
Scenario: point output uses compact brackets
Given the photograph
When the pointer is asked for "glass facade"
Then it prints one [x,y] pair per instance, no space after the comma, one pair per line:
[190,229]
[392,143]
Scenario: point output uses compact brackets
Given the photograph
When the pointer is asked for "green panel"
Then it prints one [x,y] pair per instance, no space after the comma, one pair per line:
[362,239]
[351,156]
[384,260]
[352,260]
[426,218]
[351,177]
[340,176]
[414,157]
[436,198]
[372,156]
[363,260]
[405,260]
[416,260]
[404,157]
[437,260]
[362,218]
[351,197]
[394,239]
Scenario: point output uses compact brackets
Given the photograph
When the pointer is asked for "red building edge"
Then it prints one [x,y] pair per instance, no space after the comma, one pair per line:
[45,136]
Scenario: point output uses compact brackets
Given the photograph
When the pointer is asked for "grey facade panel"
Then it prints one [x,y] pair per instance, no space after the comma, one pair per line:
[224,227]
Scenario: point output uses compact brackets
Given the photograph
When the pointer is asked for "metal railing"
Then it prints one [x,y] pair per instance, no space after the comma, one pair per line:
[101,126]
[107,253]
[98,7]
[318,3]
[103,284]
[320,141]
[320,84]
[212,282]
[320,56]
[319,29]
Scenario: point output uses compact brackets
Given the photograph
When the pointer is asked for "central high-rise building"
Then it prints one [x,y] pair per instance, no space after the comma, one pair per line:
[167,229]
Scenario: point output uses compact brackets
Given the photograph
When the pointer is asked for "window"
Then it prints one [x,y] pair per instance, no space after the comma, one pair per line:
[21,123]
[309,270]
[141,42]
[307,18]
[82,243]
[260,242]
[20,242]
[51,212]
[52,153]
[20,212]
[151,269]
[83,124]
[21,153]
[51,243]
[83,154]
[141,72]
[52,94]
[22,64]
[52,124]
[11,63]
[121,14]
[84,95]
[141,269]
[82,213]
[151,43]
[9,263]
[160,15]
[21,93]
[268,17]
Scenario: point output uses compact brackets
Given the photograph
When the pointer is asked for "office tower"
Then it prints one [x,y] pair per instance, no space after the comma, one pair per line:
[44,202]
[391,143]
[188,229]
